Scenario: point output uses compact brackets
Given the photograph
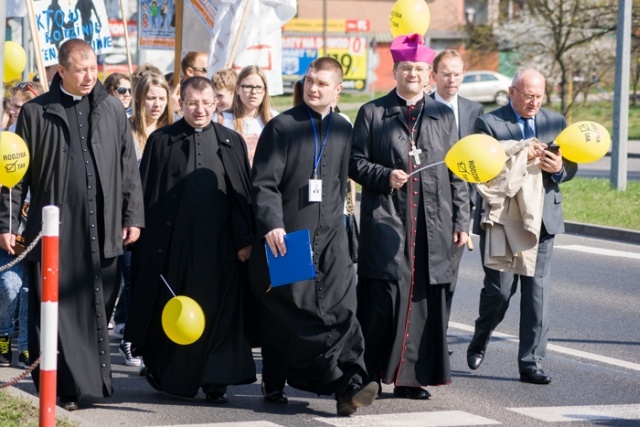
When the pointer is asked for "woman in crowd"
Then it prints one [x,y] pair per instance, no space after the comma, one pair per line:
[119,85]
[251,107]
[151,110]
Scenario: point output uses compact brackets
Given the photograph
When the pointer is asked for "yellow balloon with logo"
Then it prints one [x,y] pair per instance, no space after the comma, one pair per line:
[476,158]
[183,320]
[14,159]
[15,61]
[409,17]
[584,142]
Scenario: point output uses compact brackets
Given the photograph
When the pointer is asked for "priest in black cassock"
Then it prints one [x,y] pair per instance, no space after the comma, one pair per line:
[409,219]
[82,160]
[195,177]
[310,335]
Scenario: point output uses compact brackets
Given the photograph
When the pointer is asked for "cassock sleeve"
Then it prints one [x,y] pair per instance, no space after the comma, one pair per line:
[367,173]
[268,167]
[132,201]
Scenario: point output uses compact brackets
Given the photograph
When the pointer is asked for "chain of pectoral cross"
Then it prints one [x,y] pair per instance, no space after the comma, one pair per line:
[415,151]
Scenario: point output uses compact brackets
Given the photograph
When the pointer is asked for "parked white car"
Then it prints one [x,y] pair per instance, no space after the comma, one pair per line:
[485,86]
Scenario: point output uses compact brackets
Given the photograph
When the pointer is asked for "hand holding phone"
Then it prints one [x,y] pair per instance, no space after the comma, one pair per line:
[553,147]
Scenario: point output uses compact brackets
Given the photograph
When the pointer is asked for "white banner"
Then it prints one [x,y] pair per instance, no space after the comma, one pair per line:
[257,36]
[56,23]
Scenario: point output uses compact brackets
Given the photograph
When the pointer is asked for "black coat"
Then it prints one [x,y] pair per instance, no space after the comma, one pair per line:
[198,216]
[86,293]
[378,145]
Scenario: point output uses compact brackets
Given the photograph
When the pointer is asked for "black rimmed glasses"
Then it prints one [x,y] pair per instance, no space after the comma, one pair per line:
[122,90]
[250,89]
[196,104]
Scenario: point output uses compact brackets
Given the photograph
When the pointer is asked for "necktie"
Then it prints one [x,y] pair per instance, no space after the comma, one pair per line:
[529,132]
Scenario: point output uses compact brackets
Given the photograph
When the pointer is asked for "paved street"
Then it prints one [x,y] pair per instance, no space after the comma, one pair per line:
[594,359]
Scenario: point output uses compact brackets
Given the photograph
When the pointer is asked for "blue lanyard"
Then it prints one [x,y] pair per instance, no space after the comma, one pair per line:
[324,142]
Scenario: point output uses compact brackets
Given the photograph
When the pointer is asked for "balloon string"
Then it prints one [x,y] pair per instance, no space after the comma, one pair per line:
[165,282]
[10,210]
[426,167]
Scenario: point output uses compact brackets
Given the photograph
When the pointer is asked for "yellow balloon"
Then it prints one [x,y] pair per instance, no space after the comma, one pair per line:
[476,158]
[15,60]
[14,159]
[409,17]
[584,142]
[183,320]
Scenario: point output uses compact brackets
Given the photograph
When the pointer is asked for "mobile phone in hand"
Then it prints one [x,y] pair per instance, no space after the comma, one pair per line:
[552,147]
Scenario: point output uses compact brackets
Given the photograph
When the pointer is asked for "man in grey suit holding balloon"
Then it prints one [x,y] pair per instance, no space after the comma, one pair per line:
[523,118]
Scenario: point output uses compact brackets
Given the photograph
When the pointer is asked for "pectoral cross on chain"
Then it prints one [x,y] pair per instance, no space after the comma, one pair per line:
[415,152]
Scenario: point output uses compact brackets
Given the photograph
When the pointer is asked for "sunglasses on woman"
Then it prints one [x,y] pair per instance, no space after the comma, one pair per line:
[122,90]
[27,86]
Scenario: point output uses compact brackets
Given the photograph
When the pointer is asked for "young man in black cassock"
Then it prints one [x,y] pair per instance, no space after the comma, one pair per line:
[408,224]
[195,177]
[310,335]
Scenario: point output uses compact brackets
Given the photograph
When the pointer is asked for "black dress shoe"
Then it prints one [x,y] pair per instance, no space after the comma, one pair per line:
[68,403]
[217,397]
[376,378]
[357,396]
[535,376]
[274,394]
[152,381]
[474,358]
[416,393]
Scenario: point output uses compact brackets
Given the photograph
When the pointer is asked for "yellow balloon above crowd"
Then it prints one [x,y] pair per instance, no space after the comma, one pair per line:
[15,61]
[409,17]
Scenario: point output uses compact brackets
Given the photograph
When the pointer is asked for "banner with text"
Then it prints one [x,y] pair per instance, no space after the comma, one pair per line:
[350,51]
[157,23]
[56,23]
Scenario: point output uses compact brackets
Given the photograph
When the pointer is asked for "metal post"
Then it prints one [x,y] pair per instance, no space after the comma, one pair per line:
[621,98]
[49,315]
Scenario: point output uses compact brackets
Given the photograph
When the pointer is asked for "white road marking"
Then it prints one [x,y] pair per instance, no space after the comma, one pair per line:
[599,251]
[556,414]
[560,349]
[417,419]
[234,424]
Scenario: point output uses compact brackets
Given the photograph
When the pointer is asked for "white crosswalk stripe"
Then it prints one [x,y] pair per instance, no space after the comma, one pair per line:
[557,414]
[417,419]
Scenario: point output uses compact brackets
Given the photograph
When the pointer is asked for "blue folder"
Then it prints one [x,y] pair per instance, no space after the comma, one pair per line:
[297,264]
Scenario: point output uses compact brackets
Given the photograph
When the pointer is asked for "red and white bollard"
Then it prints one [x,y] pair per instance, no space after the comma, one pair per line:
[49,315]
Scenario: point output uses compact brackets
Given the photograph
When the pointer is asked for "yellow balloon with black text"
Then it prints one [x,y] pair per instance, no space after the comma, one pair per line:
[409,17]
[15,61]
[183,320]
[584,142]
[476,158]
[14,159]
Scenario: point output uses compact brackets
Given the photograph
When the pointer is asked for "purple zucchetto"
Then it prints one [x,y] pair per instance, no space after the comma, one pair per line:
[411,48]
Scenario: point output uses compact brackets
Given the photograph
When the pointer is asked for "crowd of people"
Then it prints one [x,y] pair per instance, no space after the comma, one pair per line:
[172,188]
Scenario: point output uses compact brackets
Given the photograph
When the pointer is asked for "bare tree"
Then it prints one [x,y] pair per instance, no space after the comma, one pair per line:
[561,38]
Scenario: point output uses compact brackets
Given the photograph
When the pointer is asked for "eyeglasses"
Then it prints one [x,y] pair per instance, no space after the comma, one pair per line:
[28,86]
[202,70]
[408,69]
[452,76]
[527,97]
[249,89]
[196,104]
[122,90]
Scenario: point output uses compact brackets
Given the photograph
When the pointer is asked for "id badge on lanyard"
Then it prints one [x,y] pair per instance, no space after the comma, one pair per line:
[315,184]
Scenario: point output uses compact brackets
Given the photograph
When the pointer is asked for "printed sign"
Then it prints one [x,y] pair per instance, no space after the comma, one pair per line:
[56,23]
[157,24]
[350,51]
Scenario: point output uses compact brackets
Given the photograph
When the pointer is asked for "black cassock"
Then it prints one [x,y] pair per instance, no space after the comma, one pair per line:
[310,334]
[196,193]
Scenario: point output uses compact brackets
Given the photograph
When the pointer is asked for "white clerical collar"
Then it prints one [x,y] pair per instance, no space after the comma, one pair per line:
[453,103]
[410,101]
[198,130]
[75,97]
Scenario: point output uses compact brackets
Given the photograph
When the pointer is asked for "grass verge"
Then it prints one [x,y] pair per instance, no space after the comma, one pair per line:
[21,413]
[593,201]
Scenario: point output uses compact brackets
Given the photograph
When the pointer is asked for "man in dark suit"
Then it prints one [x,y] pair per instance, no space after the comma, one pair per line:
[448,70]
[524,118]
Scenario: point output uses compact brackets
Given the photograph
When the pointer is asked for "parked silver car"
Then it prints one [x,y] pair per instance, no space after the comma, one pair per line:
[485,86]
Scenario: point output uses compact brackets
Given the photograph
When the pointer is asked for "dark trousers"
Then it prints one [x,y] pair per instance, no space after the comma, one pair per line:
[535,291]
